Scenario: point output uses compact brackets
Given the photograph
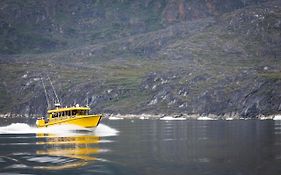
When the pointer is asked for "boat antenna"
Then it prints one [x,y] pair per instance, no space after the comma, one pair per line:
[46,95]
[57,101]
[87,100]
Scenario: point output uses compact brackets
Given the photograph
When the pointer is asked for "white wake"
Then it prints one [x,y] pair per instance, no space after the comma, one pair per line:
[23,128]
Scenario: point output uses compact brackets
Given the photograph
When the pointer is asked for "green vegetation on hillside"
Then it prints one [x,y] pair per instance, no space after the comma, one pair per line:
[126,57]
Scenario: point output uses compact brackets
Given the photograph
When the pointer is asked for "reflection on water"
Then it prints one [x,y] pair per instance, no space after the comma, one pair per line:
[80,149]
[145,147]
[199,147]
[48,151]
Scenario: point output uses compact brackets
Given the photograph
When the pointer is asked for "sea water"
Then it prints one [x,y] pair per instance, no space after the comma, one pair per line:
[142,147]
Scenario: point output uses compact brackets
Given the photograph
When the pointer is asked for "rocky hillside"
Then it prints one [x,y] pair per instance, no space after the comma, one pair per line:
[51,25]
[173,56]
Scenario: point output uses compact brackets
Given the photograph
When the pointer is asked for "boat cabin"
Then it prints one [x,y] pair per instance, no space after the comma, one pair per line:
[68,112]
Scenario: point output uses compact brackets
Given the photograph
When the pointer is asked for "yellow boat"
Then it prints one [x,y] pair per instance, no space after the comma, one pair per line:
[75,115]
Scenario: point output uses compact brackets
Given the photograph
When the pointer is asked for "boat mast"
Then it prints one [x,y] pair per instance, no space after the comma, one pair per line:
[87,100]
[57,101]
[46,95]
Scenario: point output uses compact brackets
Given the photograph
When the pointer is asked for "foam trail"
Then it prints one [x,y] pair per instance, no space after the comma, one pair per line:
[23,128]
[104,131]
[17,128]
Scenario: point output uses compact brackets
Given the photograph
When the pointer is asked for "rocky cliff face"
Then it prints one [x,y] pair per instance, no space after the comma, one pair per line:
[174,56]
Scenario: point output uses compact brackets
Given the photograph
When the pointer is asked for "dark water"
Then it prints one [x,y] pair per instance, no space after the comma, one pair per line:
[145,147]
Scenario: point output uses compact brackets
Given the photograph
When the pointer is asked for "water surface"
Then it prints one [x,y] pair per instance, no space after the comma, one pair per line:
[143,147]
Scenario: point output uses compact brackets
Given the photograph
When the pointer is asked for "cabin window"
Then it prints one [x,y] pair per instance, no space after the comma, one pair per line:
[54,115]
[74,112]
[82,112]
[78,112]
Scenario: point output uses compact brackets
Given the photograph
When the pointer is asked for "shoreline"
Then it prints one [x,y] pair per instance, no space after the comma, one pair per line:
[144,116]
[188,117]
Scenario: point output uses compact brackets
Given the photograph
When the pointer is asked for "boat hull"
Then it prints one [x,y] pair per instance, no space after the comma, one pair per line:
[87,121]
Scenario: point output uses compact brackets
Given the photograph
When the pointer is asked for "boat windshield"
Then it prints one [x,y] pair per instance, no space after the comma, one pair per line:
[80,112]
